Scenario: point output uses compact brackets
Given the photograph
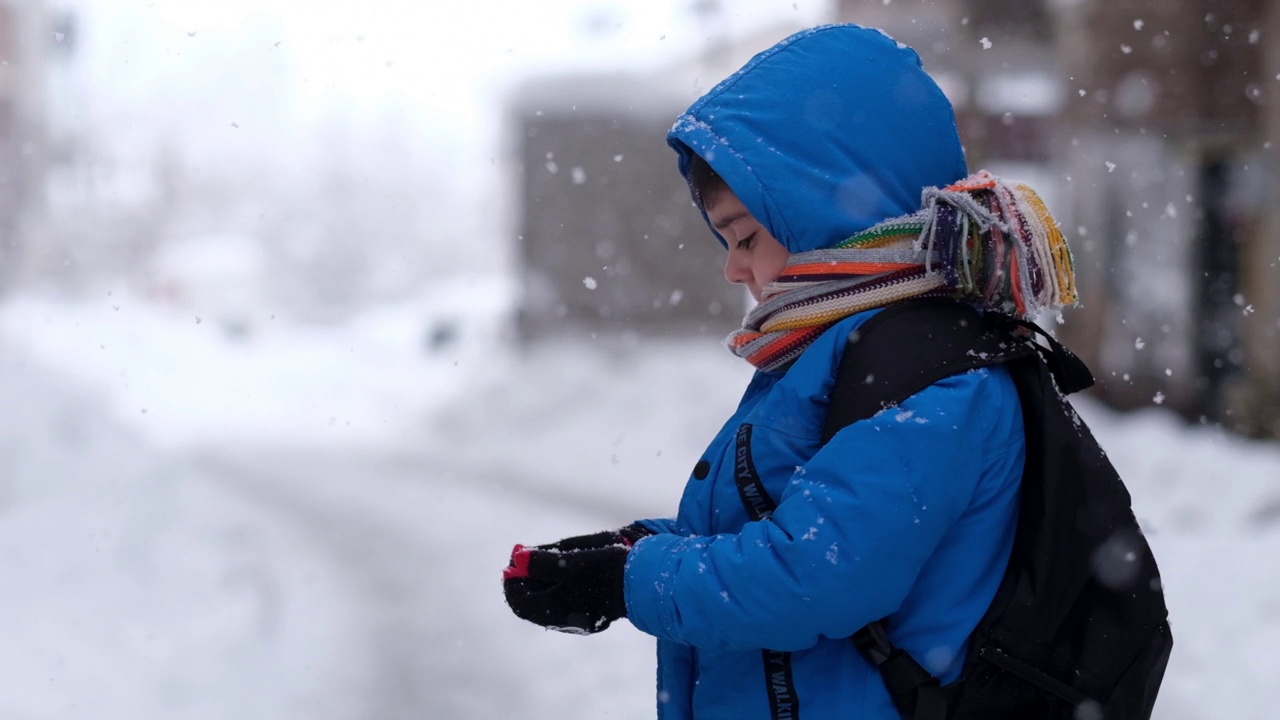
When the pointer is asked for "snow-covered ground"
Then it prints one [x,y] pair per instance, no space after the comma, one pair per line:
[310,522]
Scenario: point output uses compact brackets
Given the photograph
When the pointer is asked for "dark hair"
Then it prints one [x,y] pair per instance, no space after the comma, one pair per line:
[704,182]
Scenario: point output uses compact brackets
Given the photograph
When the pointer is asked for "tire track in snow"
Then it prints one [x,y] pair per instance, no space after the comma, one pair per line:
[371,516]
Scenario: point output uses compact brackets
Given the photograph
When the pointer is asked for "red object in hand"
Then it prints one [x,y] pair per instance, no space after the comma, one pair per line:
[519,567]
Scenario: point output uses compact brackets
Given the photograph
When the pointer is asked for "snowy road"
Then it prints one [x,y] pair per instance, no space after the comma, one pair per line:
[335,554]
[417,550]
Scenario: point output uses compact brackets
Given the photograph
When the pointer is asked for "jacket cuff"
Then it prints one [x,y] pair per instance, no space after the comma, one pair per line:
[649,583]
[659,525]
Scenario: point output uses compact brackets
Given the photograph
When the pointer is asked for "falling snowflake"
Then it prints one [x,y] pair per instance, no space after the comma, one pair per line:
[986,43]
[589,282]
[1089,710]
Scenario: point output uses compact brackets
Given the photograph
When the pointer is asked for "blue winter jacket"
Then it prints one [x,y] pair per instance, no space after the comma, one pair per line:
[908,515]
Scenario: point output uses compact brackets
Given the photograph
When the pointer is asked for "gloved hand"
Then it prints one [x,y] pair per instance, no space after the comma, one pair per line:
[573,585]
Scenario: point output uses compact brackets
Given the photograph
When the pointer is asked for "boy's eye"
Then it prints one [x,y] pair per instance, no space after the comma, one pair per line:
[745,243]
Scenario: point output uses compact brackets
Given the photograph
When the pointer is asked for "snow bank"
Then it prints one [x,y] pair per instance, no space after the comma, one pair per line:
[167,373]
[132,587]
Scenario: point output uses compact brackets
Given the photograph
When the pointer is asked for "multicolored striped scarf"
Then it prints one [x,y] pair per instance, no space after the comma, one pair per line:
[983,240]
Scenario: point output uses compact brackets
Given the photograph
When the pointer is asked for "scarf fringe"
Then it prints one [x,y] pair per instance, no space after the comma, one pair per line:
[982,240]
[998,246]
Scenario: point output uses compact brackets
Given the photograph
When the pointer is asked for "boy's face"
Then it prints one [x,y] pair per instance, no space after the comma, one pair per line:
[755,256]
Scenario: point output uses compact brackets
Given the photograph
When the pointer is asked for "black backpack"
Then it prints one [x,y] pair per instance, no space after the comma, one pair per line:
[1078,629]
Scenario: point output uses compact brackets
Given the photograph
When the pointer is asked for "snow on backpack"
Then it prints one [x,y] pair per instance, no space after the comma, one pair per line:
[1078,629]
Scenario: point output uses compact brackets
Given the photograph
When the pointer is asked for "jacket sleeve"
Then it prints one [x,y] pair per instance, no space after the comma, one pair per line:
[849,535]
[660,525]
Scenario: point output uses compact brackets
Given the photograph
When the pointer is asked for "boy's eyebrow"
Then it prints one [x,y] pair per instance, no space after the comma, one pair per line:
[726,222]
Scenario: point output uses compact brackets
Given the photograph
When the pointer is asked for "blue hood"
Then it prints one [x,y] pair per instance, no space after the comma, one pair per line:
[825,134]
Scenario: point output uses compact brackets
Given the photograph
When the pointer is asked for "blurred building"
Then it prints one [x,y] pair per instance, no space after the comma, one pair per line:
[1151,129]
[1173,174]
[609,239]
[29,40]
[1261,273]
[994,60]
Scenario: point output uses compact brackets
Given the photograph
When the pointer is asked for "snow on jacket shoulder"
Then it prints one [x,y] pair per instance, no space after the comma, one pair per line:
[908,515]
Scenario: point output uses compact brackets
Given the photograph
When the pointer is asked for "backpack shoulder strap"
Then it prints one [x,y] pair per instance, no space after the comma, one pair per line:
[895,354]
[910,345]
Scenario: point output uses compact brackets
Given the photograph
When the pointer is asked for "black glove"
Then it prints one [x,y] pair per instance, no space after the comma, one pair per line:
[574,585]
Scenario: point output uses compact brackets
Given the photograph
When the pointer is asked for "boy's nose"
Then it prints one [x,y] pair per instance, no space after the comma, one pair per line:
[735,271]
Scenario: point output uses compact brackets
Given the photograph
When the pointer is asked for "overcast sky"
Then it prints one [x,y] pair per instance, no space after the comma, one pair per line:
[271,66]
[262,97]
